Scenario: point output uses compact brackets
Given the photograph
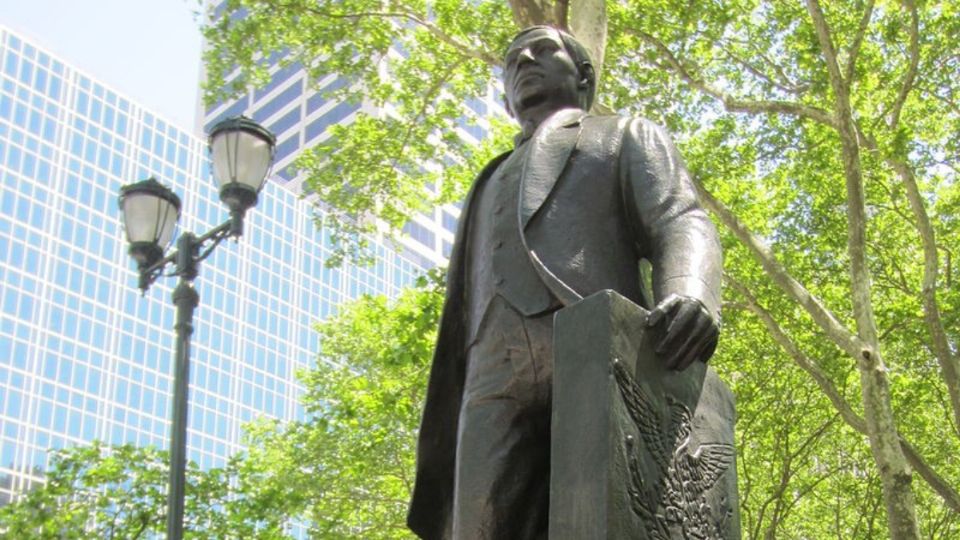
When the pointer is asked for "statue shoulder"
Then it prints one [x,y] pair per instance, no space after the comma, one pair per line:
[619,132]
[638,126]
[644,132]
[622,121]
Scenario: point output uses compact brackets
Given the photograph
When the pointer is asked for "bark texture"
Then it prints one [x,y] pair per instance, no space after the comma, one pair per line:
[895,473]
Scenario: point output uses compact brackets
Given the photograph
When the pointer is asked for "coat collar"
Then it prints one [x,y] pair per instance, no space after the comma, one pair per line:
[550,148]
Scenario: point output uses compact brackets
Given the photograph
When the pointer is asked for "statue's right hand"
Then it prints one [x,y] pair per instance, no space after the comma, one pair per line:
[688,331]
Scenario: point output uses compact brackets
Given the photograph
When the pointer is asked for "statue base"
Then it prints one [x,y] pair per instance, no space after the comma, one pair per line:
[637,451]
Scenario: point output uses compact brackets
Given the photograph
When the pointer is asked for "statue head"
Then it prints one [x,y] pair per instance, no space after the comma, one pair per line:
[546,69]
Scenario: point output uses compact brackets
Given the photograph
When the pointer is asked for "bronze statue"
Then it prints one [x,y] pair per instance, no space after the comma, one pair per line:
[570,211]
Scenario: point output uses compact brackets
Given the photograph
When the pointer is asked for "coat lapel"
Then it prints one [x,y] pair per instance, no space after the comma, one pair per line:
[550,148]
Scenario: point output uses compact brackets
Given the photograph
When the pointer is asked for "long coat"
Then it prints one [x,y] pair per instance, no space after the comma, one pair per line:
[598,193]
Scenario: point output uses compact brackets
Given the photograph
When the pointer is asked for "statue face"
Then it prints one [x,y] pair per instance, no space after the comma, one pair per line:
[539,75]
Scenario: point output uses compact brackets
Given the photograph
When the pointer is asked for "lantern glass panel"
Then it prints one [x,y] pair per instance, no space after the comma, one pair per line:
[148,218]
[240,156]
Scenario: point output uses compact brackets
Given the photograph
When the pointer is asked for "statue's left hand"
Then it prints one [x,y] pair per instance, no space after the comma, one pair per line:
[688,331]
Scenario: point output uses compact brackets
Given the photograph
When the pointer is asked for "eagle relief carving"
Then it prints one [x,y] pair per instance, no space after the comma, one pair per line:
[673,504]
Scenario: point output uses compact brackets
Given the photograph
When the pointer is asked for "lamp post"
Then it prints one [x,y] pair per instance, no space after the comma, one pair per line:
[242,152]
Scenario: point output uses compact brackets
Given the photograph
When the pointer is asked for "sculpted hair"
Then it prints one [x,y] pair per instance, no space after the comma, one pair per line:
[581,58]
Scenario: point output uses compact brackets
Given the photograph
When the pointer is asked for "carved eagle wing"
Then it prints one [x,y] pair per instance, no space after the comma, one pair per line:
[709,463]
[643,413]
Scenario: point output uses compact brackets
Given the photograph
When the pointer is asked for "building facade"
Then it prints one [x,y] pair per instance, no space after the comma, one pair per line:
[82,355]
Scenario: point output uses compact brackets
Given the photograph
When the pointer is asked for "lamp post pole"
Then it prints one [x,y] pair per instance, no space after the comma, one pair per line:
[148,208]
[186,298]
[186,261]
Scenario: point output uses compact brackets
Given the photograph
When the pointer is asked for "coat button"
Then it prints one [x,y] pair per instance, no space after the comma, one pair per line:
[498,209]
[500,281]
[498,245]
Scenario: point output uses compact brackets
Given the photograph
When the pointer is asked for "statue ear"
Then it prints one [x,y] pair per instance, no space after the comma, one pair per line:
[586,73]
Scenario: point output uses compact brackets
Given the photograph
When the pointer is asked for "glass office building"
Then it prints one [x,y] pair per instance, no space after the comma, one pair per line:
[82,355]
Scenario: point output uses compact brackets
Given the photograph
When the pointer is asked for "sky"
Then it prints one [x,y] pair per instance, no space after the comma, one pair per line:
[147,50]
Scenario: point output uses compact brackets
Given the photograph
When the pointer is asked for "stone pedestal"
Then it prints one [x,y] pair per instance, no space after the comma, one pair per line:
[637,451]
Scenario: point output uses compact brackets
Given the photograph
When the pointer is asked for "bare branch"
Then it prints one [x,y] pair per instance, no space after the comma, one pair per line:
[730,102]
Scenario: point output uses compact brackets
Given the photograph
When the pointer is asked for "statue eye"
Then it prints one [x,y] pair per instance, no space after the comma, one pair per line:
[546,47]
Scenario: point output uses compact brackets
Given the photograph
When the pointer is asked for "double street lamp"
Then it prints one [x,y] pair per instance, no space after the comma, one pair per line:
[242,153]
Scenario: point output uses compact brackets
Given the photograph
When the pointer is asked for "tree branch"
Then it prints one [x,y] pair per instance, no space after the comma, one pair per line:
[730,102]
[782,508]
[939,485]
[470,51]
[953,105]
[786,83]
[826,47]
[781,339]
[857,41]
[949,363]
[784,86]
[837,332]
[910,76]
[426,99]
[874,384]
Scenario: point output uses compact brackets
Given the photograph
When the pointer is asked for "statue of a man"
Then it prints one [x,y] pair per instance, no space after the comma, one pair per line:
[570,211]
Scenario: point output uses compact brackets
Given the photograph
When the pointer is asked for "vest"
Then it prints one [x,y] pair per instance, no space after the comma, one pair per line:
[496,261]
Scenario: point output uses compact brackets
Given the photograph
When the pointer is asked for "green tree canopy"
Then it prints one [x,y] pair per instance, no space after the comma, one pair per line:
[343,472]
[120,492]
[347,470]
[824,138]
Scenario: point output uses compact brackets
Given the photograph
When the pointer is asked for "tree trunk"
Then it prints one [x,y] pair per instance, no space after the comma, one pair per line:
[895,472]
[587,20]
[531,12]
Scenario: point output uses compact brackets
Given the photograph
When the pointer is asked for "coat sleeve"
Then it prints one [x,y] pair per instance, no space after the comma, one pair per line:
[670,227]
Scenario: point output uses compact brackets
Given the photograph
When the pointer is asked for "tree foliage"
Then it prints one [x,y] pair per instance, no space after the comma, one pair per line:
[343,472]
[347,471]
[824,137]
[120,492]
